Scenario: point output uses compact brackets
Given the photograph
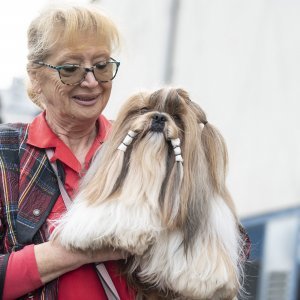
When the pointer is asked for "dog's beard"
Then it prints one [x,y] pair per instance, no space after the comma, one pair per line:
[147,170]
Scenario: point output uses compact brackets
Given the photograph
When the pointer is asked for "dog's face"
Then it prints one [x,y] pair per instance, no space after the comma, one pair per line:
[167,111]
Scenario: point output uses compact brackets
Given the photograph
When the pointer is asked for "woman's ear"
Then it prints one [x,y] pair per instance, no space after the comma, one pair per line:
[34,82]
[34,90]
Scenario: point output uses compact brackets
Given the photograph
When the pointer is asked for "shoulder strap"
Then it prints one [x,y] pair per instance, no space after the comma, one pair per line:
[104,276]
[108,285]
[64,194]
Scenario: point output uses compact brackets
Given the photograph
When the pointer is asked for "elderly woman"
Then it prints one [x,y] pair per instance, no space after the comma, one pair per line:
[71,71]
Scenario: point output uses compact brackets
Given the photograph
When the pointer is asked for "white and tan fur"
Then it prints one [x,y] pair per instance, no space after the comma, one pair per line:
[175,217]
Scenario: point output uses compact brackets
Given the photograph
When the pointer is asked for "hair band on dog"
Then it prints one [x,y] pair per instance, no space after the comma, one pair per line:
[175,142]
[178,158]
[127,140]
[177,150]
[204,123]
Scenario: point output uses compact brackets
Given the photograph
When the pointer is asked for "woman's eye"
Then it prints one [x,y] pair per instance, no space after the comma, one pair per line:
[101,65]
[69,68]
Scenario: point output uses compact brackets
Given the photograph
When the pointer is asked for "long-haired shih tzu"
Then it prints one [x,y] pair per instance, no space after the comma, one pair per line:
[157,189]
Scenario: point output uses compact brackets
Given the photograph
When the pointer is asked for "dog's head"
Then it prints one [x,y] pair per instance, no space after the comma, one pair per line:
[165,138]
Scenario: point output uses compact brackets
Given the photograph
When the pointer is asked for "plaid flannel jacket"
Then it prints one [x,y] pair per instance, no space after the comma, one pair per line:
[28,191]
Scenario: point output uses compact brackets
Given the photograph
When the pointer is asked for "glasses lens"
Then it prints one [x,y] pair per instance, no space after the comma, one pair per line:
[71,74]
[105,71]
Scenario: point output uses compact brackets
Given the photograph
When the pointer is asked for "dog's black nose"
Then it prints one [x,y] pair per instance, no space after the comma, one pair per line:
[158,122]
[159,118]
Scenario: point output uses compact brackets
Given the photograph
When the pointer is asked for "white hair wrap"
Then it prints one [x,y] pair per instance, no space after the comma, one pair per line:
[127,140]
[177,150]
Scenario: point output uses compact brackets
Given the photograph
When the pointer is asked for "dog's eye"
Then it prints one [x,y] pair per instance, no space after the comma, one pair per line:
[176,118]
[144,110]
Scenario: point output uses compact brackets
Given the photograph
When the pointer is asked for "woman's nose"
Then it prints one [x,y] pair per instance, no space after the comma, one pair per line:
[89,80]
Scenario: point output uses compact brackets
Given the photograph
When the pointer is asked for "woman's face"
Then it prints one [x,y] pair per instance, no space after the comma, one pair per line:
[72,103]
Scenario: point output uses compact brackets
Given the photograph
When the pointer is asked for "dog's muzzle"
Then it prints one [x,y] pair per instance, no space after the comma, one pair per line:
[158,122]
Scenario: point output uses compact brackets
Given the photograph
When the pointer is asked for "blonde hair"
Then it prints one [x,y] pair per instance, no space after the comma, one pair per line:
[66,22]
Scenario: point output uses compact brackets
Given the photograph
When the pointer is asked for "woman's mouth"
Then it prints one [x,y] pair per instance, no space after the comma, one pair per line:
[86,99]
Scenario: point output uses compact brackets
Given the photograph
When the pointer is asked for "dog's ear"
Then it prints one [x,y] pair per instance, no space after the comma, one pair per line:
[199,112]
[216,154]
[183,94]
[217,159]
[214,148]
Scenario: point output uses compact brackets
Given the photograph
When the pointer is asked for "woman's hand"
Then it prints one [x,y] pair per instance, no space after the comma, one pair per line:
[54,260]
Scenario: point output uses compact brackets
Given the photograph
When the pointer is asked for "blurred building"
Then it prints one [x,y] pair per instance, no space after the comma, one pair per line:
[1,111]
[16,106]
[272,272]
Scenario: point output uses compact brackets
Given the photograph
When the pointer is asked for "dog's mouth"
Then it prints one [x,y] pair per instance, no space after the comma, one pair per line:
[157,127]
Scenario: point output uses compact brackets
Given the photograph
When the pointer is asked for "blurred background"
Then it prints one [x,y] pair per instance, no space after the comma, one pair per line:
[238,59]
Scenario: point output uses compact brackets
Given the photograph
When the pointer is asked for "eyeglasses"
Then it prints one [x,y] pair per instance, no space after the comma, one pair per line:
[74,74]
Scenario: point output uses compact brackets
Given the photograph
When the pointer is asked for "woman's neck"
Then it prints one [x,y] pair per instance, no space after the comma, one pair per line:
[78,137]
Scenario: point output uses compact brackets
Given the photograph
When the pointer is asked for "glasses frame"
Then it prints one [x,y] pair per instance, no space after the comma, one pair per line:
[90,69]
